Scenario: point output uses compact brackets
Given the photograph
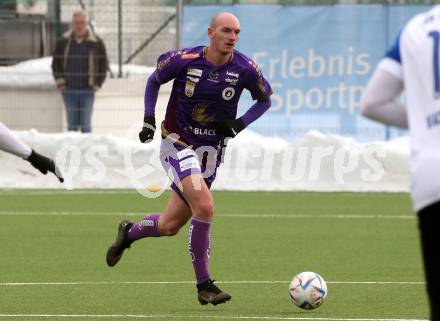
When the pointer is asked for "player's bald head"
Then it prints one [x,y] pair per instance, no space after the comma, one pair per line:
[223,33]
[224,18]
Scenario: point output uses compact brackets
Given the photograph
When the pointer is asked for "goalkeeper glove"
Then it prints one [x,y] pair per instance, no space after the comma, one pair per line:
[147,132]
[230,127]
[44,165]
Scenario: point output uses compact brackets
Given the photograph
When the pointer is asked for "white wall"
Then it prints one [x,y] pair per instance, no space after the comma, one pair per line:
[120,104]
[24,108]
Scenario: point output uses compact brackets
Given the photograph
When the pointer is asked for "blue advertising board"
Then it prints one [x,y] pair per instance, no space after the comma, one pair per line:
[318,60]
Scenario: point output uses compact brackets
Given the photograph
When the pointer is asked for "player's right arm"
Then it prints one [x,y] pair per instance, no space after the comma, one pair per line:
[168,67]
[11,144]
[379,99]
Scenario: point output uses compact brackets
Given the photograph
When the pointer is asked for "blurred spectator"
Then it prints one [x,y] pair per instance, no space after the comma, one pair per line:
[79,67]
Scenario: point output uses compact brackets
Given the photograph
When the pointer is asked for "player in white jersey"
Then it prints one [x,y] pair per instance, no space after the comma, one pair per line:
[413,64]
[11,144]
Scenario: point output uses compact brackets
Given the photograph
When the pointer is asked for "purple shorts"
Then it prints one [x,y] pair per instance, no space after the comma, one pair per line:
[180,162]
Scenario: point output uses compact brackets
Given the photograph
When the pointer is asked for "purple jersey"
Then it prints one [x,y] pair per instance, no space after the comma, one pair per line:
[203,93]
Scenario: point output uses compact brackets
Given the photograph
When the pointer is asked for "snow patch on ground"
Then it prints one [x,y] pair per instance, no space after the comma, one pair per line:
[316,162]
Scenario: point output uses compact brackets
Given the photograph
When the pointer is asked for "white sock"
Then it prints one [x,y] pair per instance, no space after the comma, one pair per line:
[10,143]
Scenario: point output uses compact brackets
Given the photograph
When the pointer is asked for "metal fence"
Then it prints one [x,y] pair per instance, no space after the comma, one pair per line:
[134,32]
[307,2]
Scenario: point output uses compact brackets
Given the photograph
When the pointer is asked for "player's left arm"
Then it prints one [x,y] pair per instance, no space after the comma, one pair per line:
[261,91]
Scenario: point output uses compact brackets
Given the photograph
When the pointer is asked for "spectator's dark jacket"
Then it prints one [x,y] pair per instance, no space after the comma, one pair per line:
[98,61]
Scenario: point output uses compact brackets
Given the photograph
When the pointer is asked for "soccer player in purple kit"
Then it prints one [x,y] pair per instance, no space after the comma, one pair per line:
[200,118]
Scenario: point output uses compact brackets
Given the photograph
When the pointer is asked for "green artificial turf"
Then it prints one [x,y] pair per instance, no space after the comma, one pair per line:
[365,245]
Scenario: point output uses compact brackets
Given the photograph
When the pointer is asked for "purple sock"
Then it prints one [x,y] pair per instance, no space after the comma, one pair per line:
[145,228]
[199,245]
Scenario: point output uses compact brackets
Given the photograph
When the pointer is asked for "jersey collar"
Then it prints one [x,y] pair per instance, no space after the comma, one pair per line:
[205,49]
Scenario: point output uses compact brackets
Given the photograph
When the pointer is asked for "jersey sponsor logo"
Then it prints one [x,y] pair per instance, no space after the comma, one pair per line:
[232,74]
[190,56]
[232,77]
[189,88]
[200,131]
[228,93]
[195,72]
[199,114]
[232,81]
[189,163]
[193,79]
[204,131]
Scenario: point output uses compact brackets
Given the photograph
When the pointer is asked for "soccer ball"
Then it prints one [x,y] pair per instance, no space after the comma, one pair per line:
[308,290]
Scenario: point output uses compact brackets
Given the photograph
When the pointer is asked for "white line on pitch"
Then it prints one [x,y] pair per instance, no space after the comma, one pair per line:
[192,282]
[20,192]
[81,191]
[164,316]
[333,216]
[238,215]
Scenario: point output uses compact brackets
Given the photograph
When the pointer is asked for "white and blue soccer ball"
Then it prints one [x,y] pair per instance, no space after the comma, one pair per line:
[308,290]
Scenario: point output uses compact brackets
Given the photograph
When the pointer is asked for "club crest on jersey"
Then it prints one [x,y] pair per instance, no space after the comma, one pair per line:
[232,81]
[228,93]
[189,88]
